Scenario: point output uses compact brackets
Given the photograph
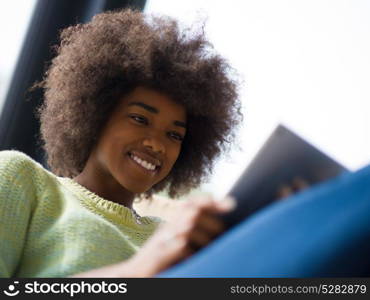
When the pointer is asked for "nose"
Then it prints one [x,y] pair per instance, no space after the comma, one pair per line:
[154,144]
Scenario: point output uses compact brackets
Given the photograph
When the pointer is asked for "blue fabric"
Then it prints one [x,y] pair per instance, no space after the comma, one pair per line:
[323,231]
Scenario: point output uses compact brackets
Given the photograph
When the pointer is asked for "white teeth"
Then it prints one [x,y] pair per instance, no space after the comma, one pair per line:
[143,163]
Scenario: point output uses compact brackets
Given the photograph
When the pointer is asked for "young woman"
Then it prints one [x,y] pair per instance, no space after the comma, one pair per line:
[133,106]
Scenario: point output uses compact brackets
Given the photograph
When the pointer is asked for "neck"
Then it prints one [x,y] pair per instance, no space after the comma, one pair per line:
[107,188]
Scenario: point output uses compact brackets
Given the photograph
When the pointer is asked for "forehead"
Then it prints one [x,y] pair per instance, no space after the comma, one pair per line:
[162,104]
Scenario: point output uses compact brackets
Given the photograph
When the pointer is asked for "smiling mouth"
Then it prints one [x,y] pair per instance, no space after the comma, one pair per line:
[143,164]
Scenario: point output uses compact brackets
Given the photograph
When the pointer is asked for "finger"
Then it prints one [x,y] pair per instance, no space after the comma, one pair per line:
[210,223]
[212,205]
[205,214]
[200,202]
[199,238]
[226,204]
[199,231]
[284,191]
[299,184]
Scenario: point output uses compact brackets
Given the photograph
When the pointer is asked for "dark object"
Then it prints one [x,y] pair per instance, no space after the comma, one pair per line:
[283,157]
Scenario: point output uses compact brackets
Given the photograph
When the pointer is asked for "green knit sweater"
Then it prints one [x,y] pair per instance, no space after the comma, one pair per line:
[53,227]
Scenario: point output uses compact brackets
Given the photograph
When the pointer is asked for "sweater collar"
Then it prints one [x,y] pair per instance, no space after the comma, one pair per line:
[109,209]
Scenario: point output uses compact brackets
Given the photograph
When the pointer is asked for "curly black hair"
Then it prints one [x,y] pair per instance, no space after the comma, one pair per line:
[99,62]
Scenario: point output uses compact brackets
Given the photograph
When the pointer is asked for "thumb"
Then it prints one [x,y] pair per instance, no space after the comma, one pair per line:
[226,204]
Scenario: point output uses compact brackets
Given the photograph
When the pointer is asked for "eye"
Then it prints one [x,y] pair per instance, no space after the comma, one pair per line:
[139,119]
[176,136]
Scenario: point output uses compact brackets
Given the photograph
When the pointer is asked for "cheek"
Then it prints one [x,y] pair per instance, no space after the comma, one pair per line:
[111,149]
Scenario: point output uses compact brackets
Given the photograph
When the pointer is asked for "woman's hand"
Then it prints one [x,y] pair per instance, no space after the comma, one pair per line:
[192,226]
[298,184]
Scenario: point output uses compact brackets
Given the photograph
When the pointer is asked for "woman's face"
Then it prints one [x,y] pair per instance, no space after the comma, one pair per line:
[141,141]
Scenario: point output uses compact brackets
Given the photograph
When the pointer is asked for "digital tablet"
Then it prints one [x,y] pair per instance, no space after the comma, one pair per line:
[283,157]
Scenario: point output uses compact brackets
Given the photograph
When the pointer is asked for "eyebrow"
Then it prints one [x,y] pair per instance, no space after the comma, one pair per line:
[155,111]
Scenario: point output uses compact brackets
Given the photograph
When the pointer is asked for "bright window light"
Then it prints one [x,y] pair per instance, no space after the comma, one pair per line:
[305,63]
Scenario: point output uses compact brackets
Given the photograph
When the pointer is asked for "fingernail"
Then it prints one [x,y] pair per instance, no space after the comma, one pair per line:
[228,202]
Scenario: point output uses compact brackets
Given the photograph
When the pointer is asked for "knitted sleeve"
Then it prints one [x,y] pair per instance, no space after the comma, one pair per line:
[17,200]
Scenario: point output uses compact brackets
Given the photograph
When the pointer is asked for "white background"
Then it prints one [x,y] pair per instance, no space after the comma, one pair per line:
[305,63]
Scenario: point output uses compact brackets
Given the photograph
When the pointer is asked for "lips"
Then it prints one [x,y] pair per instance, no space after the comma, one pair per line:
[147,158]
